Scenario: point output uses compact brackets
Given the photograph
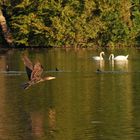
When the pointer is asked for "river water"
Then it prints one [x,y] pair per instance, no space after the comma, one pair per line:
[80,104]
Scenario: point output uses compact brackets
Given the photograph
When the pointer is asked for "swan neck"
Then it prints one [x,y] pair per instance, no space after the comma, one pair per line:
[111,57]
[101,55]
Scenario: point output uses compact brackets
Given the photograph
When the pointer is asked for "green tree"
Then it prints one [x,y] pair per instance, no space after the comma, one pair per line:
[74,23]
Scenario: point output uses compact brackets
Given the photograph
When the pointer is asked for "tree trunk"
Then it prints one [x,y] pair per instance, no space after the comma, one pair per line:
[5,30]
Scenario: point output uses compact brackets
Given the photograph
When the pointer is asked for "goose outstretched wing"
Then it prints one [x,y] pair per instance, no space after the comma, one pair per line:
[37,72]
[28,65]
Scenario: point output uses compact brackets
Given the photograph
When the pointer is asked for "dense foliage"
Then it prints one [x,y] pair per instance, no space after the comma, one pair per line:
[74,23]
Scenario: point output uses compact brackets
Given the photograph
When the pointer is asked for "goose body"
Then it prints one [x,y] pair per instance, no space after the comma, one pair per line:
[118,58]
[100,57]
[34,73]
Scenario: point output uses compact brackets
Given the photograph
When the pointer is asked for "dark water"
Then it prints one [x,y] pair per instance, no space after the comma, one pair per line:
[80,104]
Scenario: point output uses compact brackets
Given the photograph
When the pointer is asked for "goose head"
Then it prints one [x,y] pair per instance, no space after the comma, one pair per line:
[49,78]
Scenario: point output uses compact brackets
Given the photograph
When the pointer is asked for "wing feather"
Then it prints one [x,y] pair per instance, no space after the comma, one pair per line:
[28,66]
[37,71]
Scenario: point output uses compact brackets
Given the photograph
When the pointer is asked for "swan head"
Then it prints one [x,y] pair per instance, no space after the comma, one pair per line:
[99,57]
[111,56]
[102,53]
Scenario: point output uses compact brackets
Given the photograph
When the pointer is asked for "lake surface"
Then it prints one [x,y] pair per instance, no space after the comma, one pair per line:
[80,104]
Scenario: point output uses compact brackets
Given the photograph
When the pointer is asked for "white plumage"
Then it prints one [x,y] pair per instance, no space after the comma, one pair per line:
[99,57]
[118,58]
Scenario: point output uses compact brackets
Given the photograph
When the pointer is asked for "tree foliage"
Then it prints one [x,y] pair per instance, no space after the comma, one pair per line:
[74,23]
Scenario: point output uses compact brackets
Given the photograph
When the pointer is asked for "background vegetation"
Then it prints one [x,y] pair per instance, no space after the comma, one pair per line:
[73,23]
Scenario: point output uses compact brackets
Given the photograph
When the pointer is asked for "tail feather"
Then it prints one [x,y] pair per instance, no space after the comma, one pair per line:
[127,56]
[25,85]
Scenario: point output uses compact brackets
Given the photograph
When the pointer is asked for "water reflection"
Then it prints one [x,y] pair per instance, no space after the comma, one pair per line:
[122,65]
[37,124]
[52,119]
[40,121]
[14,120]
[100,64]
[79,104]
[116,106]
[119,65]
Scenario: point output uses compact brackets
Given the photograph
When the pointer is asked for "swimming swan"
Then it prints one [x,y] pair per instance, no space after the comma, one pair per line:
[34,73]
[119,57]
[99,57]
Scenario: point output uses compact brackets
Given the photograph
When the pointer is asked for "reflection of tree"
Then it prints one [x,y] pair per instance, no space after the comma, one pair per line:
[62,59]
[52,119]
[2,100]
[116,105]
[38,123]
[14,121]
[99,104]
[87,105]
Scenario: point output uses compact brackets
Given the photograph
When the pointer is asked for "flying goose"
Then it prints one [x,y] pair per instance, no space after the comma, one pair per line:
[34,73]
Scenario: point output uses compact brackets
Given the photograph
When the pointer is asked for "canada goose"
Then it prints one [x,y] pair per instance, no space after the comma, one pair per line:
[34,73]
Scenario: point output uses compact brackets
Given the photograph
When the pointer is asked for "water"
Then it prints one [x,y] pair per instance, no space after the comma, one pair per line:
[80,104]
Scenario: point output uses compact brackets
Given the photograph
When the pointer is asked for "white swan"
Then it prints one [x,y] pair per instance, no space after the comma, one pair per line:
[118,58]
[99,57]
